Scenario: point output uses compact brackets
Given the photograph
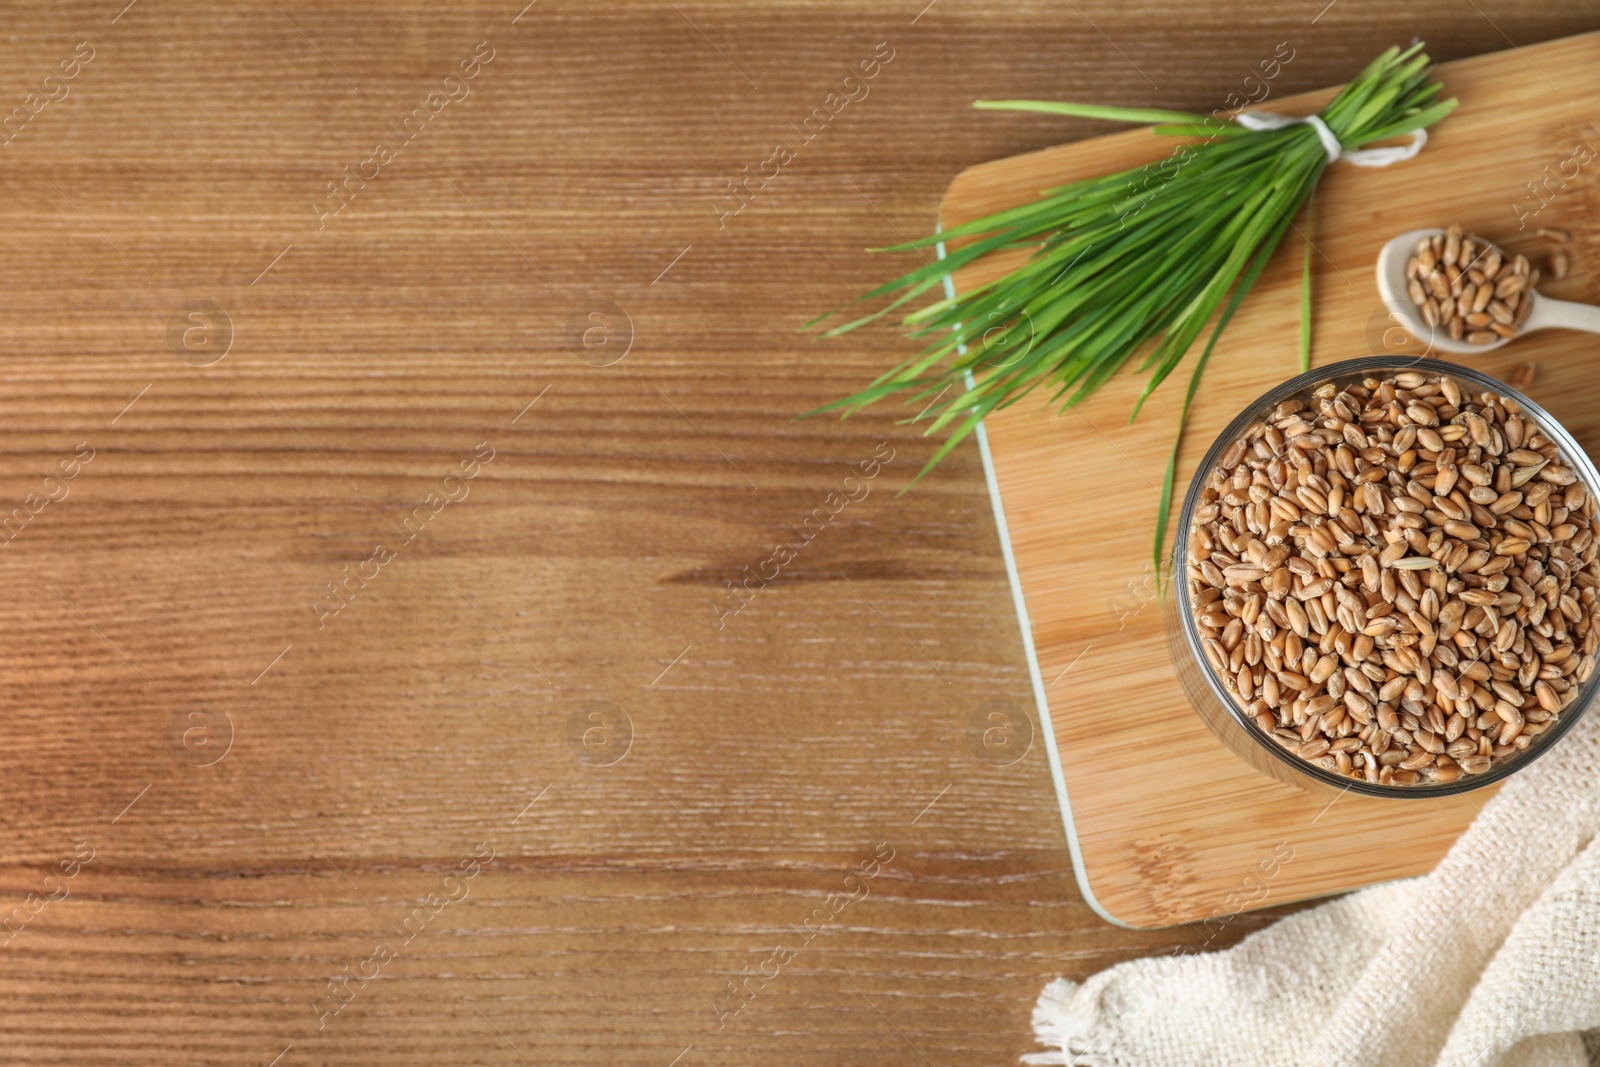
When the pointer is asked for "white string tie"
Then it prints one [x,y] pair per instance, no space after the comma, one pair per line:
[1364,157]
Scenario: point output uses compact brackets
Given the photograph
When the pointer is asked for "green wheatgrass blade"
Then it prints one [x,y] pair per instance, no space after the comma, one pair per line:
[1133,264]
[1283,200]
[1305,290]
[1140,116]
[1246,280]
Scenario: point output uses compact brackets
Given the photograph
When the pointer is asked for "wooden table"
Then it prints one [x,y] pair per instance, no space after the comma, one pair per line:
[248,816]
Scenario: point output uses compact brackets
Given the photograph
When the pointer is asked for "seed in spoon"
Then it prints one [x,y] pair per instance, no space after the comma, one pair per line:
[1462,282]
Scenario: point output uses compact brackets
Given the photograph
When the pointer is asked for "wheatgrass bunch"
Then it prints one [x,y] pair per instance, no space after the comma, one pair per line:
[1124,266]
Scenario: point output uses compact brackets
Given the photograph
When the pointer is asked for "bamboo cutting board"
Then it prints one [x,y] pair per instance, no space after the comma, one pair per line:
[1166,824]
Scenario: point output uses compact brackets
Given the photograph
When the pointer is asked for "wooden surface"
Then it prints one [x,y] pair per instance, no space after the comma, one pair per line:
[768,759]
[1170,824]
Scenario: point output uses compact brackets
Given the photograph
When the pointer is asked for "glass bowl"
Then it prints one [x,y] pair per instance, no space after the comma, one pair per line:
[1219,706]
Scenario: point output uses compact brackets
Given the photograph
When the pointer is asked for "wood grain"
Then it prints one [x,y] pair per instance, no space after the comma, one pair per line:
[369,358]
[1170,825]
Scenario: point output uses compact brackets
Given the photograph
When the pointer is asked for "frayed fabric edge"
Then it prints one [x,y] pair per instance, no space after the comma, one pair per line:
[1063,1021]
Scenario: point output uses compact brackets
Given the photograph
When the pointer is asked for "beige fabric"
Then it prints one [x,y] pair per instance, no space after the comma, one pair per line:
[1493,960]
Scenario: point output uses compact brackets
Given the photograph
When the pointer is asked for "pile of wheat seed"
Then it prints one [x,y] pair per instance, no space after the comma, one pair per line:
[1475,291]
[1396,579]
